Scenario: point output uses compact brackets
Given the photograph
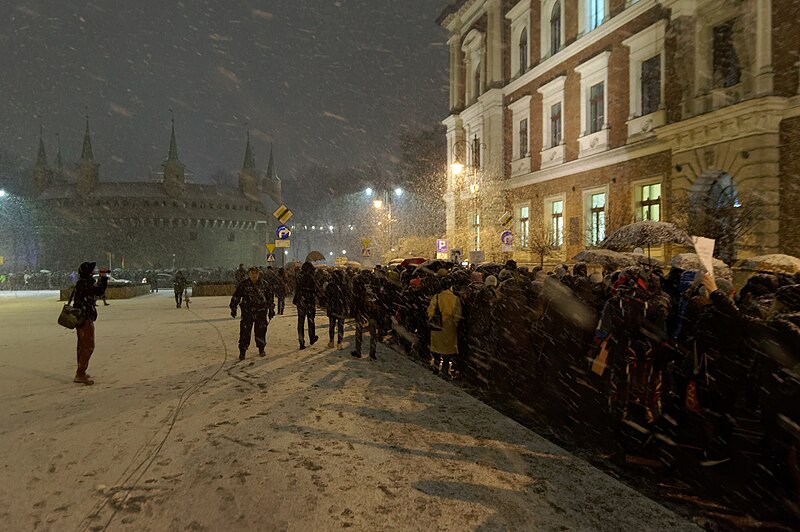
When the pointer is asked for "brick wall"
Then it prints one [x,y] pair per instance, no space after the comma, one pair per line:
[785,45]
[790,187]
[619,205]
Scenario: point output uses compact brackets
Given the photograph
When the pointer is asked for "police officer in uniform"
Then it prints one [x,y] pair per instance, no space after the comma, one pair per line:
[257,302]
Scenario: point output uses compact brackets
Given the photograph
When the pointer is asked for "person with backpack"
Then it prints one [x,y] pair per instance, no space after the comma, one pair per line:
[257,303]
[336,307]
[305,298]
[86,292]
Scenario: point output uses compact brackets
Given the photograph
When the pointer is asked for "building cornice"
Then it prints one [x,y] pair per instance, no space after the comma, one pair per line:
[585,164]
[584,42]
[751,117]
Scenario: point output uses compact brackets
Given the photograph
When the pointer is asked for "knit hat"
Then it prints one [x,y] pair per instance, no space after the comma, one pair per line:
[491,281]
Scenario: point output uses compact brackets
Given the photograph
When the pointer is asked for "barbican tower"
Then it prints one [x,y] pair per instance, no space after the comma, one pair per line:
[248,175]
[42,173]
[174,169]
[88,169]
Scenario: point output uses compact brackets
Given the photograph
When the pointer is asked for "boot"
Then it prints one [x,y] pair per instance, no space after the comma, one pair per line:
[340,346]
[241,355]
[355,354]
[314,340]
[261,352]
[330,344]
[302,346]
[83,379]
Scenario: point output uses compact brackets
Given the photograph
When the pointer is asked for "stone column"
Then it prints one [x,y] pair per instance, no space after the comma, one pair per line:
[763,71]
[494,44]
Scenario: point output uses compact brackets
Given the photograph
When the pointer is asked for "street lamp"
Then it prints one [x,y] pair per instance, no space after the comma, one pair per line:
[378,204]
[2,193]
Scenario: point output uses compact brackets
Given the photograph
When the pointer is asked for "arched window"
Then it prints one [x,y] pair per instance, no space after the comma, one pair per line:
[523,51]
[715,211]
[555,28]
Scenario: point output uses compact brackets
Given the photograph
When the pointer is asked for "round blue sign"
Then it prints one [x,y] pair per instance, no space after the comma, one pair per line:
[507,238]
[283,232]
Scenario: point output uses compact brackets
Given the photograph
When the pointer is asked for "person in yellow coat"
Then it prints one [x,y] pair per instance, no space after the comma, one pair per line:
[444,341]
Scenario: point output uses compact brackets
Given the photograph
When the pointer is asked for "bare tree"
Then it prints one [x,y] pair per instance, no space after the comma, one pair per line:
[542,240]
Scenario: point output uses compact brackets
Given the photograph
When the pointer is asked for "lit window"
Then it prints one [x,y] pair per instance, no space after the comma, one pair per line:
[651,202]
[557,222]
[524,226]
[596,12]
[476,232]
[597,214]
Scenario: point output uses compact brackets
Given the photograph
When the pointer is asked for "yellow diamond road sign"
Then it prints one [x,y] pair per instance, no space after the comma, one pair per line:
[270,247]
[283,214]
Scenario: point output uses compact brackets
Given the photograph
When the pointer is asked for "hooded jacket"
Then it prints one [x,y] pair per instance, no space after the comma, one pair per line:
[87,290]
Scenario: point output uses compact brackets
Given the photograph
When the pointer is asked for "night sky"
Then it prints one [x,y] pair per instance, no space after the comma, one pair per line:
[333,82]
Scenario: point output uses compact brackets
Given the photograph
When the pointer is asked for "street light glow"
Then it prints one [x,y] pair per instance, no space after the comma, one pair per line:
[368,191]
[330,228]
[398,191]
[457,168]
[330,253]
[378,204]
[2,193]
[344,252]
[313,227]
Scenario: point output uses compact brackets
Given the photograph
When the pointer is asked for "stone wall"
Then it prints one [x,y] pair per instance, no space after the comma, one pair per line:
[114,292]
[222,289]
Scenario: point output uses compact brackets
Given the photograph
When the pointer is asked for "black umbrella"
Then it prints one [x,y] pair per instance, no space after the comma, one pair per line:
[434,265]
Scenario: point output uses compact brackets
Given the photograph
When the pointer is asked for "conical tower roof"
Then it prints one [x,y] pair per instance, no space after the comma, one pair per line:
[172,156]
[249,159]
[272,175]
[41,154]
[86,152]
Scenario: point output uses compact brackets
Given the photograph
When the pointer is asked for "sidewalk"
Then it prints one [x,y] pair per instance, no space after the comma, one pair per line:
[299,440]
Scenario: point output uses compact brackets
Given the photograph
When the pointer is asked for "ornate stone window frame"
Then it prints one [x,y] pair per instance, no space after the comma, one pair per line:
[520,17]
[552,93]
[547,9]
[592,72]
[644,45]
[520,110]
[473,47]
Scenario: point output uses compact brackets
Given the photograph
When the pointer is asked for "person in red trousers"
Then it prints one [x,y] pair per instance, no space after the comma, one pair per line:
[86,293]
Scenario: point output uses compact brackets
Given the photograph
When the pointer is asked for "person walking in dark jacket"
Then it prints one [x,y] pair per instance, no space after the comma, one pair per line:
[179,286]
[255,299]
[86,293]
[281,288]
[365,311]
[305,298]
[336,307]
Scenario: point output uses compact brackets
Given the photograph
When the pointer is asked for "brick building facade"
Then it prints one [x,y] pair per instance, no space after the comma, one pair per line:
[579,116]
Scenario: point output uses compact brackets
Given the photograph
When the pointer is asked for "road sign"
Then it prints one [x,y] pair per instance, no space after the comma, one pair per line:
[441,246]
[2,260]
[507,238]
[476,257]
[365,243]
[340,261]
[283,213]
[271,257]
[283,232]
[366,252]
[283,243]
[506,219]
[270,248]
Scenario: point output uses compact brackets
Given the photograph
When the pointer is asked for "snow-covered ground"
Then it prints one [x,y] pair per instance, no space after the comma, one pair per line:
[179,435]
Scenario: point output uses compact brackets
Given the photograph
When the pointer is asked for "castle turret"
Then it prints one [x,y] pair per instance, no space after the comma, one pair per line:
[174,169]
[248,175]
[42,174]
[59,176]
[271,184]
[88,169]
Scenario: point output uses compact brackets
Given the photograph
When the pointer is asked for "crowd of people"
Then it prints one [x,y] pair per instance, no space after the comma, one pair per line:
[658,350]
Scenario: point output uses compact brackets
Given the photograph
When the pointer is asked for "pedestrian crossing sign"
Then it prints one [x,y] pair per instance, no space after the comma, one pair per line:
[366,252]
[283,213]
[270,257]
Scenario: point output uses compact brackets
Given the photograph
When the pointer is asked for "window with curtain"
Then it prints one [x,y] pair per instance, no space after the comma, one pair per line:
[555,28]
[555,125]
[523,138]
[557,222]
[523,51]
[524,226]
[596,107]
[476,232]
[651,85]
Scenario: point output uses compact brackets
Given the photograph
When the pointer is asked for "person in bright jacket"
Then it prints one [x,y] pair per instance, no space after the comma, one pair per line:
[444,342]
[87,290]
[255,299]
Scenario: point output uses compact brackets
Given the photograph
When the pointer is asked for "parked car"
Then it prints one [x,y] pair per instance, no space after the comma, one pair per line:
[164,280]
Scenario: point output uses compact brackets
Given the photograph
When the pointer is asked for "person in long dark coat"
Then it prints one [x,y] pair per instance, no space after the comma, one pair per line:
[85,299]
[336,307]
[179,286]
[305,298]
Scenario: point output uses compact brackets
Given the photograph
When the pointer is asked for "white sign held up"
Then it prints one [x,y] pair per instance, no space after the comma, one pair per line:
[704,247]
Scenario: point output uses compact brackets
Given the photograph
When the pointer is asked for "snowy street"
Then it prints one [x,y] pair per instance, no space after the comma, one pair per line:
[177,434]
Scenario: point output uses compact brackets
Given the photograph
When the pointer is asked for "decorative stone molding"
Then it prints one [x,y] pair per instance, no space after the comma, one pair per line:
[644,126]
[552,156]
[593,143]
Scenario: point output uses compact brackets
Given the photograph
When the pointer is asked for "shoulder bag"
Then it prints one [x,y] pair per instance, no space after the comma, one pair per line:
[70,316]
[436,322]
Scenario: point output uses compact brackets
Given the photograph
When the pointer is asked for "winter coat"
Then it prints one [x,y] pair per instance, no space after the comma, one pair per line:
[253,297]
[336,300]
[305,293]
[87,291]
[445,342]
[179,283]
